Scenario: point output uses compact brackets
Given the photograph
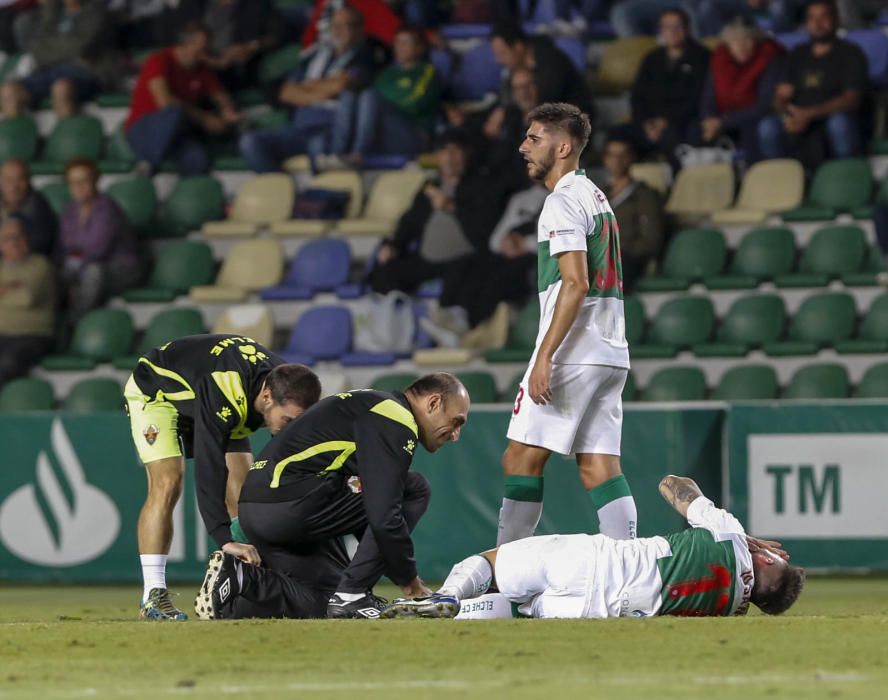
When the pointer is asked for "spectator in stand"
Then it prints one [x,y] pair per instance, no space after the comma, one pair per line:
[346,63]
[13,100]
[64,99]
[168,117]
[666,94]
[242,30]
[708,17]
[27,302]
[398,113]
[557,78]
[73,42]
[740,86]
[639,212]
[818,95]
[99,256]
[379,22]
[450,217]
[18,198]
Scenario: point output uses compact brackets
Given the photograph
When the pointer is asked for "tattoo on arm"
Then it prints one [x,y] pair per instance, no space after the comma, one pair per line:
[679,492]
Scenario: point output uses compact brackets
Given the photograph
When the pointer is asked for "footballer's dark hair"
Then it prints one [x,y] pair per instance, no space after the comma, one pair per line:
[442,383]
[782,597]
[567,117]
[293,383]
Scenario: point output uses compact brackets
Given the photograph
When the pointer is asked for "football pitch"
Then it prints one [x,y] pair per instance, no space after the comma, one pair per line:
[83,642]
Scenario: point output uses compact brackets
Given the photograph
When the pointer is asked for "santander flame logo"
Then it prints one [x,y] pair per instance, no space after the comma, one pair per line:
[55,522]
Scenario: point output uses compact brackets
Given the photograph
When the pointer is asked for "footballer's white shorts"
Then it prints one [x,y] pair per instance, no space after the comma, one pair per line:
[585,416]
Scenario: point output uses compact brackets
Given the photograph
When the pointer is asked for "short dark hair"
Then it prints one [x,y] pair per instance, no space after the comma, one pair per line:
[442,383]
[88,163]
[194,27]
[510,32]
[782,597]
[619,138]
[830,5]
[680,13]
[293,383]
[566,117]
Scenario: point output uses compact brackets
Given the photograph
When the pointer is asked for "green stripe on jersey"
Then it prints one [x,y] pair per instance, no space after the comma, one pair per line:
[700,577]
[602,258]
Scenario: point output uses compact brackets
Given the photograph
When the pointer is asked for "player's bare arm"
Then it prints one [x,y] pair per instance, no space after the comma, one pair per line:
[574,287]
[679,492]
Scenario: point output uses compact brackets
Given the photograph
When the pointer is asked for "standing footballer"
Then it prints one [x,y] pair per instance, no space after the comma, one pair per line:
[569,400]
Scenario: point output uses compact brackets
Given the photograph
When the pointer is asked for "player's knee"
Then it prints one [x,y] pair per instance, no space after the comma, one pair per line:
[166,489]
[418,487]
[519,461]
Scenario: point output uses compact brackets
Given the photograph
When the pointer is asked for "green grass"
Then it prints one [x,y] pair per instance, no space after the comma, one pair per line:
[77,642]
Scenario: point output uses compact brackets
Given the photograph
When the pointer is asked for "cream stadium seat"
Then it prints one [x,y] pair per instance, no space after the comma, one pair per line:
[346,180]
[263,200]
[250,320]
[700,190]
[769,187]
[390,197]
[657,176]
[620,63]
[248,267]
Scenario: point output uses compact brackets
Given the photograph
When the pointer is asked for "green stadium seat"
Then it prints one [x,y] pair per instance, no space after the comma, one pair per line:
[522,336]
[822,320]
[865,211]
[137,198]
[872,336]
[833,251]
[763,254]
[113,100]
[94,396]
[26,394]
[680,323]
[193,202]
[395,381]
[630,391]
[874,383]
[119,157]
[747,383]
[99,336]
[511,392]
[633,309]
[676,384]
[693,255]
[18,139]
[165,326]
[480,385]
[179,266]
[78,136]
[820,381]
[838,186]
[57,195]
[868,277]
[750,323]
[277,65]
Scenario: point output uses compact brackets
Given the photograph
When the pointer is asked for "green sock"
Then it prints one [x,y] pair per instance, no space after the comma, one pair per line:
[524,488]
[237,532]
[522,508]
[617,514]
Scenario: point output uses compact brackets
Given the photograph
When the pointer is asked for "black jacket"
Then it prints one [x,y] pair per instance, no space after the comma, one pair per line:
[668,89]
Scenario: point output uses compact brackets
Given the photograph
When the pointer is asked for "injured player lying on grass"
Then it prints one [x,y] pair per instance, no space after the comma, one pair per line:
[711,569]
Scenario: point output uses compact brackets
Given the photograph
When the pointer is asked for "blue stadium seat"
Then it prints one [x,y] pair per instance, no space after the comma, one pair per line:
[465,31]
[321,333]
[874,44]
[431,289]
[321,265]
[575,50]
[477,75]
[442,59]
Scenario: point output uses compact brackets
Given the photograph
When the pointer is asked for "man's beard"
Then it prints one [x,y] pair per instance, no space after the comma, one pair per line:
[540,171]
[827,38]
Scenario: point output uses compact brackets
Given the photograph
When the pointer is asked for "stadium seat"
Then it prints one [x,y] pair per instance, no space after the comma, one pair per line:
[391,196]
[395,381]
[747,383]
[510,393]
[680,323]
[872,266]
[633,310]
[138,200]
[278,64]
[58,196]
[179,266]
[94,396]
[819,381]
[77,136]
[574,49]
[701,190]
[262,200]
[249,320]
[872,336]
[119,156]
[26,394]
[249,266]
[480,385]
[676,384]
[693,255]
[873,384]
[630,391]
[769,187]
[321,333]
[100,335]
[832,252]
[657,176]
[164,326]
[193,201]
[865,211]
[750,323]
[318,266]
[477,74]
[18,139]
[874,44]
[823,320]
[443,60]
[342,180]
[763,254]
[838,186]
[522,336]
[620,62]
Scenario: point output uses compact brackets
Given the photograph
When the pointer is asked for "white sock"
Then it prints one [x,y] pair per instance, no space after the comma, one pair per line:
[350,597]
[468,579]
[517,520]
[618,519]
[153,572]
